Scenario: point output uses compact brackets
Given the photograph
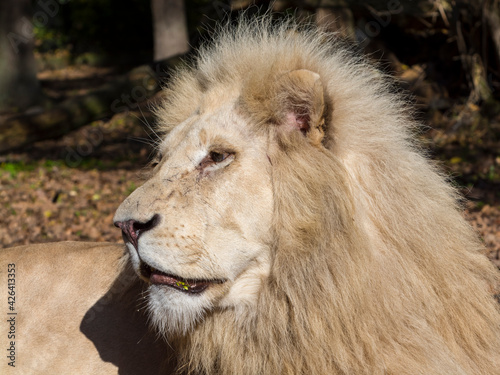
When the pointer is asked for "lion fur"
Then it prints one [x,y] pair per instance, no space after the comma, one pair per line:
[374,269]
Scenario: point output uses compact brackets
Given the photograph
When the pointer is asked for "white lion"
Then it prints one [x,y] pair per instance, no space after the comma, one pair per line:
[291,226]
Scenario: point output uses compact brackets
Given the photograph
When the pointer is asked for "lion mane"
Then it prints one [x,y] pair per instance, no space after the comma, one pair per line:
[373,268]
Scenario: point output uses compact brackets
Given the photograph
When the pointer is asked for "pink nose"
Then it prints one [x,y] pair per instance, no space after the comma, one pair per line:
[132,230]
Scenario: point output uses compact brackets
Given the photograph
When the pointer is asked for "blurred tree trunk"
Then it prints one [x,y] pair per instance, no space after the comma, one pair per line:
[169,28]
[492,16]
[19,86]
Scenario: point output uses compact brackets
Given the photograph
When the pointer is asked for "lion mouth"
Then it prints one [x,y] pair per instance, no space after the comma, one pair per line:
[192,286]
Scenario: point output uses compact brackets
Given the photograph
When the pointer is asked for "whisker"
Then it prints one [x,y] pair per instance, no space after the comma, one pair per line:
[150,127]
[152,135]
[149,142]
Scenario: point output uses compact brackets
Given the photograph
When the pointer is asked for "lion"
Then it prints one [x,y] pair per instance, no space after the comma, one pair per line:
[290,225]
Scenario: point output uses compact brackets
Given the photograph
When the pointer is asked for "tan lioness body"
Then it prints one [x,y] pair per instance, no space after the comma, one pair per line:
[77,311]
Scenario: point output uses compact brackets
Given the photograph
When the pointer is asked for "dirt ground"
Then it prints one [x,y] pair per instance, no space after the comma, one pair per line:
[69,188]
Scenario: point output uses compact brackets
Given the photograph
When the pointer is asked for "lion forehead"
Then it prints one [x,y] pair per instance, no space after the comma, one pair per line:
[207,127]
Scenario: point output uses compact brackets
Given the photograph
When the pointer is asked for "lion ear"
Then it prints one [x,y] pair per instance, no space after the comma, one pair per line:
[301,101]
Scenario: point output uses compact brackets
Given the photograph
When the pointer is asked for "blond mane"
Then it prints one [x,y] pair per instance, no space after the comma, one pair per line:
[374,270]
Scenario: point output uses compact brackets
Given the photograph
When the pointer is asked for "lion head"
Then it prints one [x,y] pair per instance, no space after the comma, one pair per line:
[291,225]
[185,228]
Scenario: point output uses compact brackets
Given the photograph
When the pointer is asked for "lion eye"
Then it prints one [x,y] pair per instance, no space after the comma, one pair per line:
[155,161]
[215,160]
[218,157]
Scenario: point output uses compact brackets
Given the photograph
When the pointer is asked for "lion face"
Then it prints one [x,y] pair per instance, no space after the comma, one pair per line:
[198,231]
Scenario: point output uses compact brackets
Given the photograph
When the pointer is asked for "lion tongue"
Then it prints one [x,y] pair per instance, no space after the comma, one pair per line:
[163,279]
[159,278]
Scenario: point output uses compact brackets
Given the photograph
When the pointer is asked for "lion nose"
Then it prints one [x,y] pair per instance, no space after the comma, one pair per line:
[132,230]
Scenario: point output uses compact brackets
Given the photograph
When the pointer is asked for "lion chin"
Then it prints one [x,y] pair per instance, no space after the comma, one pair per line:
[291,225]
